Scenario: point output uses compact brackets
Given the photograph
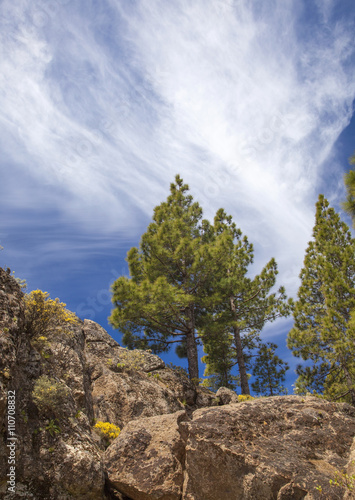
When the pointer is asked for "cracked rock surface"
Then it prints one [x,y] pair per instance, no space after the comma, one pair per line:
[280,448]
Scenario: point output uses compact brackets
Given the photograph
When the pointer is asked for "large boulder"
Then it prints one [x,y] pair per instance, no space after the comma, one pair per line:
[269,448]
[280,448]
[146,461]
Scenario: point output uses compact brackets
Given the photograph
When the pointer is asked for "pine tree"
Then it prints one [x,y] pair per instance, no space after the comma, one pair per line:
[269,371]
[169,291]
[243,307]
[349,180]
[323,331]
[219,361]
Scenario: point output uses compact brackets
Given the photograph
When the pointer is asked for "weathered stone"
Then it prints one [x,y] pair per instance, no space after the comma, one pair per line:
[147,362]
[226,396]
[121,397]
[96,334]
[205,397]
[146,460]
[182,387]
[79,470]
[281,447]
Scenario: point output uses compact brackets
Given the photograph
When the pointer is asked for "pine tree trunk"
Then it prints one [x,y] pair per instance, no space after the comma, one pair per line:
[191,347]
[244,384]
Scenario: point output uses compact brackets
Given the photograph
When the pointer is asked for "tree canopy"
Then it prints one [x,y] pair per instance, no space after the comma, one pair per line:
[323,332]
[166,298]
[243,308]
[349,180]
[188,286]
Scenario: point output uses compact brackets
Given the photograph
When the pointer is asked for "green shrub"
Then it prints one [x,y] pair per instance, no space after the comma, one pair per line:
[52,428]
[24,416]
[49,395]
[132,360]
[343,480]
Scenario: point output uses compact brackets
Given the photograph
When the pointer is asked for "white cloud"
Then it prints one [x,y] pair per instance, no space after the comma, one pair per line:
[109,102]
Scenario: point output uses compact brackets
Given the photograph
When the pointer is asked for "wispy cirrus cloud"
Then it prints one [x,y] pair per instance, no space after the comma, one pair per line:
[104,103]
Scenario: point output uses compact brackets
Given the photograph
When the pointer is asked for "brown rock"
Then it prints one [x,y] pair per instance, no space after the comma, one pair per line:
[146,460]
[181,386]
[226,396]
[121,397]
[268,448]
[205,397]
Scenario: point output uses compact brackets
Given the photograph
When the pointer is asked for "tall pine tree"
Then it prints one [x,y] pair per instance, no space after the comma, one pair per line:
[165,300]
[243,307]
[323,332]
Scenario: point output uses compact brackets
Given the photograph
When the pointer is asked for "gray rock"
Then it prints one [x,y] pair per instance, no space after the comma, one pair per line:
[226,396]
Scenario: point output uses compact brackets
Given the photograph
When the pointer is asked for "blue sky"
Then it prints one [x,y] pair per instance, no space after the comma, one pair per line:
[103,102]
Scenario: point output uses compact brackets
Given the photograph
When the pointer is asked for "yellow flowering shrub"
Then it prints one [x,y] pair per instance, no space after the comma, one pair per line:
[44,315]
[49,395]
[244,397]
[107,431]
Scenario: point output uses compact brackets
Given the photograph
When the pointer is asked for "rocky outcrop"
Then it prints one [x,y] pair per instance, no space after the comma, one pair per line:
[46,459]
[178,441]
[123,394]
[104,383]
[281,448]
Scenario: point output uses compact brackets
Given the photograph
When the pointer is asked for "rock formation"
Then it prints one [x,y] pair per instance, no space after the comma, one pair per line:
[178,441]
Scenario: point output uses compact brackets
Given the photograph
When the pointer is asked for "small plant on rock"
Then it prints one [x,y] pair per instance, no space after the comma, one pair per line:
[343,480]
[24,416]
[49,395]
[132,360]
[107,431]
[52,428]
[244,397]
